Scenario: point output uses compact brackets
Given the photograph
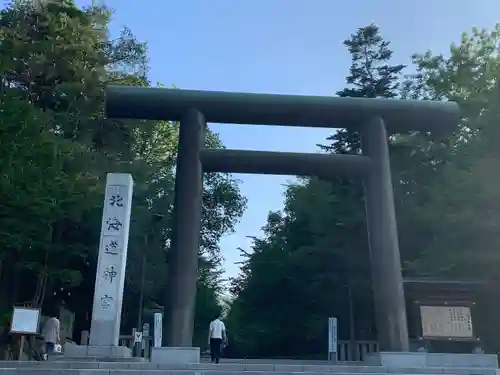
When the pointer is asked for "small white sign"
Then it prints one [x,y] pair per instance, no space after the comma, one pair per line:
[145,329]
[138,337]
[25,320]
[332,335]
[158,329]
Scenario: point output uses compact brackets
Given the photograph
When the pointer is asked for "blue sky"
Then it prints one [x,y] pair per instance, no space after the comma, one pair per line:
[280,46]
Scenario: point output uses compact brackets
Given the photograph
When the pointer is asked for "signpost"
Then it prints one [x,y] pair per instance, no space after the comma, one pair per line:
[332,339]
[145,336]
[137,337]
[157,330]
[25,322]
[446,322]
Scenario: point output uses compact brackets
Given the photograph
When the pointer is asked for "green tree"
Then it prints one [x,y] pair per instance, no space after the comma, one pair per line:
[463,221]
[454,214]
[370,76]
[58,147]
[445,197]
[317,244]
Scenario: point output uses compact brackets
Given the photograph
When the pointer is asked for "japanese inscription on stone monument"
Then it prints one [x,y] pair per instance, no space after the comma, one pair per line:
[115,215]
[106,302]
[114,224]
[116,200]
[111,245]
[110,276]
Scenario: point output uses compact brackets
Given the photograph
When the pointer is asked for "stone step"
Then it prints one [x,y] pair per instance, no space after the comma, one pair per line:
[202,367]
[98,359]
[48,371]
[222,367]
[60,367]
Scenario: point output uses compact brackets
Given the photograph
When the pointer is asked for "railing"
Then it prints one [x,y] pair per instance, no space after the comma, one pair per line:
[347,351]
[355,351]
[128,341]
[144,347]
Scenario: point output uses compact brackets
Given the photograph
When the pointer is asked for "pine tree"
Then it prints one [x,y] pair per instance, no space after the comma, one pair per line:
[371,76]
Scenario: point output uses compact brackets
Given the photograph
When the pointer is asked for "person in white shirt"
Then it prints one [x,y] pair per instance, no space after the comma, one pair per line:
[51,334]
[216,338]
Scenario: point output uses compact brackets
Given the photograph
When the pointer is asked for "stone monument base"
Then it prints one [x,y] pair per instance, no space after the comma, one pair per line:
[395,360]
[94,351]
[175,355]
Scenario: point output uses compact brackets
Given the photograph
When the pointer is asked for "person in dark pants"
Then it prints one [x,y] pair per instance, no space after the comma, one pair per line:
[50,334]
[216,337]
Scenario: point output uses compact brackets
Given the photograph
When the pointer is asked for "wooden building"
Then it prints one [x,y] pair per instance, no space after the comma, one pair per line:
[452,316]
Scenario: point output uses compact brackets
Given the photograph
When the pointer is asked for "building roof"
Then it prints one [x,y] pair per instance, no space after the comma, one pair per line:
[428,287]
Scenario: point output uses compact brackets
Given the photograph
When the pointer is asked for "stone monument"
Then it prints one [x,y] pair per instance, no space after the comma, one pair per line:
[110,275]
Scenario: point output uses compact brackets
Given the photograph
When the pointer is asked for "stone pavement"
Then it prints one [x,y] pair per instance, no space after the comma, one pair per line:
[242,368]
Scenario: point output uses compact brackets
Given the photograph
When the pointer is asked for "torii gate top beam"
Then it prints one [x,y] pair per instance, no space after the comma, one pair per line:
[287,110]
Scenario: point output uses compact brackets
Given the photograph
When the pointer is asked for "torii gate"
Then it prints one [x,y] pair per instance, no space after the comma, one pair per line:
[373,118]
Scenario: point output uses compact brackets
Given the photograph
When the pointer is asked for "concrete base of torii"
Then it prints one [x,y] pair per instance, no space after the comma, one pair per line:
[175,355]
[96,352]
[402,360]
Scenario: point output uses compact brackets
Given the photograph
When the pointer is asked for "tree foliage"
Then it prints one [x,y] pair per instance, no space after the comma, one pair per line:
[318,243]
[313,260]
[462,221]
[56,147]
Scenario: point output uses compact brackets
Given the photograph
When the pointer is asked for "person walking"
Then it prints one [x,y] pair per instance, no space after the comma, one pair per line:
[50,334]
[216,338]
